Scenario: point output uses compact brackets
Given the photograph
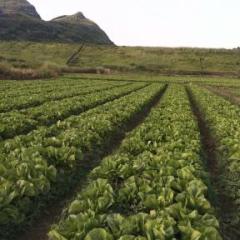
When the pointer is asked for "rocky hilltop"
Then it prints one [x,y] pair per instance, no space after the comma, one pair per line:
[77,18]
[19,20]
[13,7]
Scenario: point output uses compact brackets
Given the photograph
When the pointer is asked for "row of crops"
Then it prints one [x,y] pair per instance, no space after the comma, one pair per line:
[223,119]
[155,185]
[21,122]
[20,100]
[34,165]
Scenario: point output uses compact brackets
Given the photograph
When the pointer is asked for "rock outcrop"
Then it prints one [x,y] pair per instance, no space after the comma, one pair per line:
[16,7]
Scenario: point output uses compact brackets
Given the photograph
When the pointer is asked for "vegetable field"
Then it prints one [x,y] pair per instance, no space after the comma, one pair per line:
[106,159]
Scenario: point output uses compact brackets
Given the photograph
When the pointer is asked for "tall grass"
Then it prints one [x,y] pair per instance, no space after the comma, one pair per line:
[46,70]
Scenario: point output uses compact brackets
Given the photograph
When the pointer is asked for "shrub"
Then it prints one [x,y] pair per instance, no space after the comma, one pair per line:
[4,68]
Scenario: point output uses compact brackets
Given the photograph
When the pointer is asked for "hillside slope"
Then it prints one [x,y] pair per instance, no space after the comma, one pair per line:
[192,61]
[19,20]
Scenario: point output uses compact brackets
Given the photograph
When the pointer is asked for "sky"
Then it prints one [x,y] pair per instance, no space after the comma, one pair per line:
[166,23]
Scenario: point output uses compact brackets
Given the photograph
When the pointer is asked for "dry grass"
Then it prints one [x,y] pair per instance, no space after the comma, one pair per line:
[47,70]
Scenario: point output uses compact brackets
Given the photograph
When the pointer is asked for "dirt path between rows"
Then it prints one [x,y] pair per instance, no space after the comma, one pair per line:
[224,205]
[223,92]
[52,213]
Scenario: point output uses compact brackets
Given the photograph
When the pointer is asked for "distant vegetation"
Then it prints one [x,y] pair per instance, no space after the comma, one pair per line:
[186,61]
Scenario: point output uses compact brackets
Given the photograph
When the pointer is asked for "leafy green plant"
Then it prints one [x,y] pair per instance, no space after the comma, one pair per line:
[223,119]
[153,187]
[20,122]
[32,165]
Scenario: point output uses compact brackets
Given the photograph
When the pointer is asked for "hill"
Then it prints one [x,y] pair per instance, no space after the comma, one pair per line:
[193,61]
[19,20]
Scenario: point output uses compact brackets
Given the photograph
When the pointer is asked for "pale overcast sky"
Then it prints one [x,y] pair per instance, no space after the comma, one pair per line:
[192,23]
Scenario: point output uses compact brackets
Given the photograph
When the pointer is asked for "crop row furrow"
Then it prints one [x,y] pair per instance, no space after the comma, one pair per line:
[153,187]
[223,119]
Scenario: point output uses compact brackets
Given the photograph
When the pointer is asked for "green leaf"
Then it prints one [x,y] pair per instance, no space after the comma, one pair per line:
[189,233]
[127,237]
[54,235]
[98,234]
[76,207]
[151,201]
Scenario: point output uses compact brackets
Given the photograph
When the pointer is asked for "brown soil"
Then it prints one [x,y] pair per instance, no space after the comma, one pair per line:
[223,92]
[224,205]
[52,212]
